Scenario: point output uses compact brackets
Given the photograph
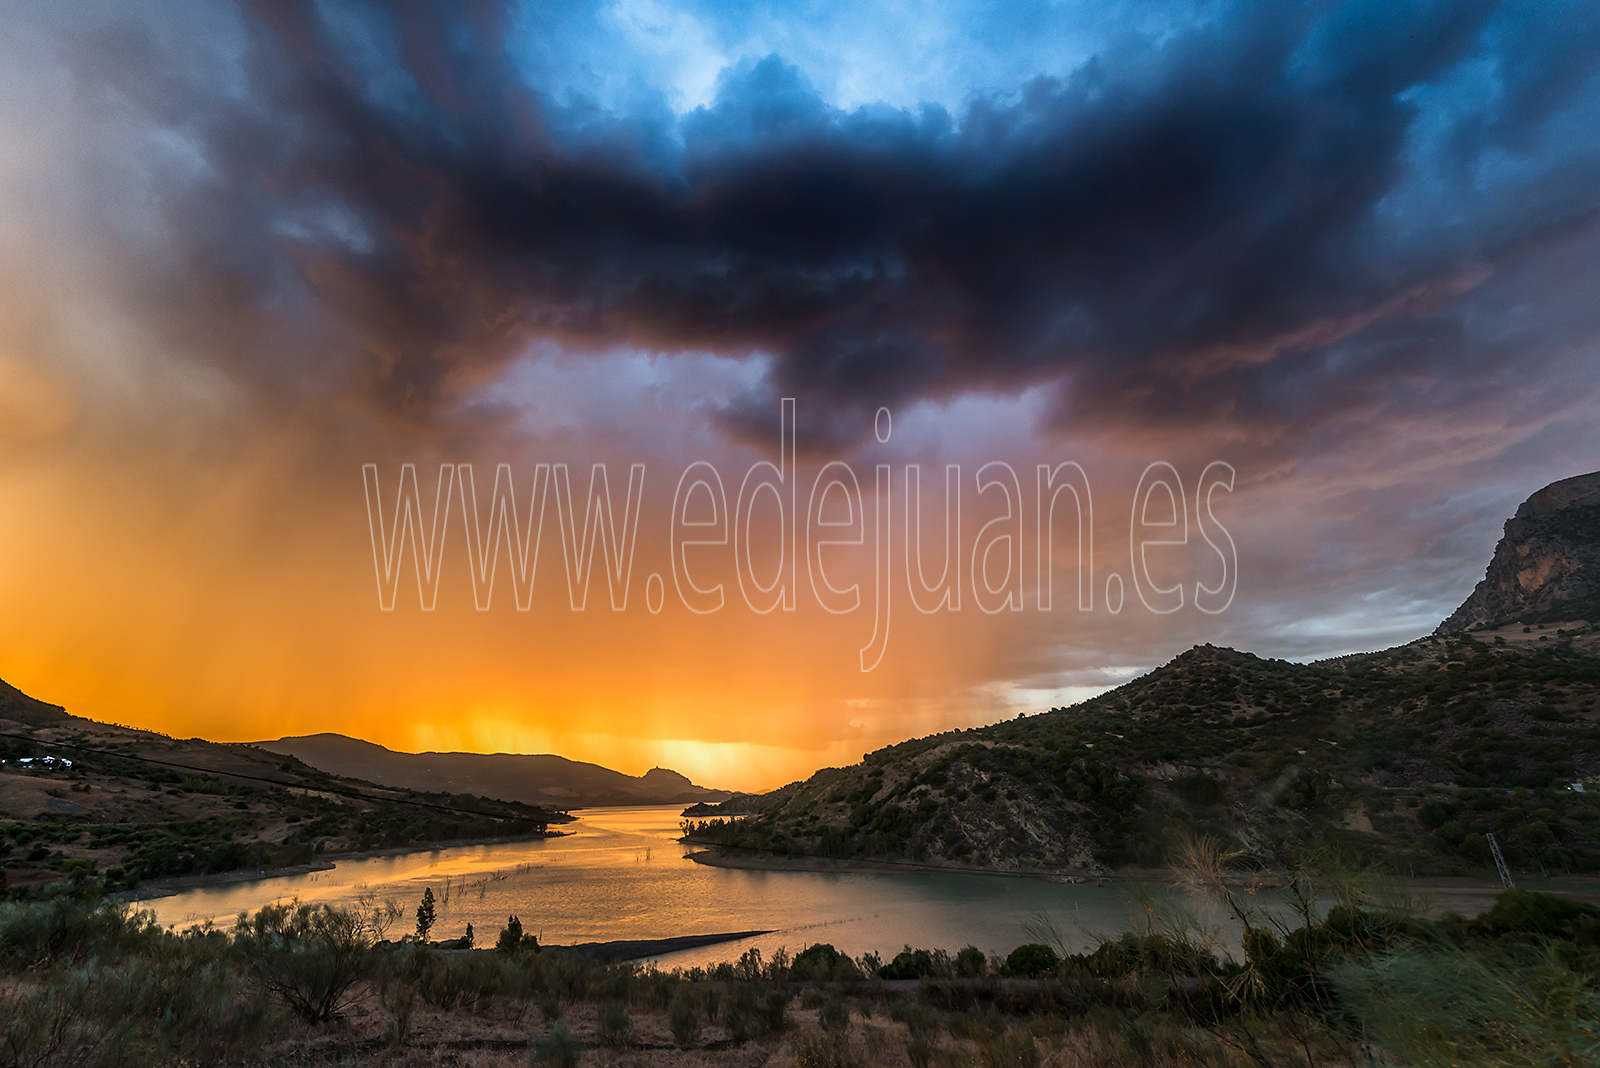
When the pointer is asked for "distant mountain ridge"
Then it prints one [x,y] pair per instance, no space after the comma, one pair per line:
[541,779]
[1547,564]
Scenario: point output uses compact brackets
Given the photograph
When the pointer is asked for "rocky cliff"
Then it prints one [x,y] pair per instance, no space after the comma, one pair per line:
[1547,564]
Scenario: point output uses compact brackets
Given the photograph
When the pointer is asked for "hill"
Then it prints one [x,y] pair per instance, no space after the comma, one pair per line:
[1412,755]
[1546,566]
[88,800]
[540,779]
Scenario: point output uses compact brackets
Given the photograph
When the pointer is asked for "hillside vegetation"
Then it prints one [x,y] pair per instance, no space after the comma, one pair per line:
[135,805]
[1411,756]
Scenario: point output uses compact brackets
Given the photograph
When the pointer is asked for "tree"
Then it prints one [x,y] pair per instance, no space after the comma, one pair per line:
[511,938]
[425,915]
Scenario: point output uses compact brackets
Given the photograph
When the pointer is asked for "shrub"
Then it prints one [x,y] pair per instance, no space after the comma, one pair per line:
[400,999]
[821,963]
[835,1015]
[683,1017]
[311,956]
[971,962]
[830,1050]
[1010,1049]
[1440,1005]
[559,1048]
[753,1013]
[909,964]
[613,1027]
[510,939]
[1032,961]
[70,930]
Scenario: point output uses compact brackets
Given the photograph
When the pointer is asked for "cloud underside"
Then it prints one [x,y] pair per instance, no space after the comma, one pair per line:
[1271,219]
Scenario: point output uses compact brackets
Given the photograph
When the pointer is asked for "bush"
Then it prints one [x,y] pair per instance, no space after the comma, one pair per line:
[830,1050]
[1011,1049]
[1440,1005]
[909,964]
[138,1013]
[822,963]
[311,956]
[971,963]
[834,1015]
[67,930]
[613,1027]
[559,1048]
[510,939]
[683,1017]
[754,1013]
[1032,961]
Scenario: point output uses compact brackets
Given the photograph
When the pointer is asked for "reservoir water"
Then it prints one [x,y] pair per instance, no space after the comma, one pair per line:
[621,875]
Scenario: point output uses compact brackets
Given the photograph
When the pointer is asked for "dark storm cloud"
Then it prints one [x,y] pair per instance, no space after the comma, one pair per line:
[1219,212]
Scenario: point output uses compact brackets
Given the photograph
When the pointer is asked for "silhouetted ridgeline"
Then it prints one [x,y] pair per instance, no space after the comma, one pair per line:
[538,779]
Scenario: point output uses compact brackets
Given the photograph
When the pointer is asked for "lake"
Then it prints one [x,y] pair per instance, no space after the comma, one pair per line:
[621,875]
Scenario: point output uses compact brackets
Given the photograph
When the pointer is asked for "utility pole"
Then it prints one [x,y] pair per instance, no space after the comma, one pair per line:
[1500,864]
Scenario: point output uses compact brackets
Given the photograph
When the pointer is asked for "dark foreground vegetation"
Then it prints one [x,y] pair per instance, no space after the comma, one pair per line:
[1330,972]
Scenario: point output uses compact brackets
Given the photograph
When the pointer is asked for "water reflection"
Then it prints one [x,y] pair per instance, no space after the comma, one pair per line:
[621,875]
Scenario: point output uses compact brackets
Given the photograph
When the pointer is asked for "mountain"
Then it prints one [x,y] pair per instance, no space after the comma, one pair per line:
[30,711]
[1410,756]
[541,779]
[86,800]
[1546,566]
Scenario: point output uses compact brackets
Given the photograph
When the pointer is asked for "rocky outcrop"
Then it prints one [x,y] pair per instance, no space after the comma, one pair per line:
[1547,562]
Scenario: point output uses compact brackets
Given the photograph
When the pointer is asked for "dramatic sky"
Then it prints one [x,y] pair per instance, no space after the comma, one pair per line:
[1348,253]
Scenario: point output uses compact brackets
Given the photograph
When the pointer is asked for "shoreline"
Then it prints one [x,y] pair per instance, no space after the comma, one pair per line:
[155,889]
[712,857]
[640,948]
[1438,893]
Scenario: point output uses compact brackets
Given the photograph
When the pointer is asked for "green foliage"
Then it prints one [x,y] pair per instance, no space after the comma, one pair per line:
[1271,755]
[514,940]
[834,1015]
[1312,792]
[1009,1049]
[1199,789]
[971,962]
[310,956]
[1032,961]
[822,963]
[831,1049]
[559,1048]
[613,1025]
[755,1013]
[425,915]
[70,930]
[1442,1005]
[683,1017]
[909,964]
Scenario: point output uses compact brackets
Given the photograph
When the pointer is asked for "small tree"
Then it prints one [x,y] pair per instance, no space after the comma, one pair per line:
[511,938]
[425,915]
[466,939]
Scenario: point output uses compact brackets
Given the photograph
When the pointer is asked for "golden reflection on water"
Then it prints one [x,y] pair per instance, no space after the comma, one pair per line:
[621,875]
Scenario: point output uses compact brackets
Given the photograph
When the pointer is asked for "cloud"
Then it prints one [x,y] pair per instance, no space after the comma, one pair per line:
[388,202]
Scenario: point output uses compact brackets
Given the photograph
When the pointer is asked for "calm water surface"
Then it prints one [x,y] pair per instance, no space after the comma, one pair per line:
[620,875]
